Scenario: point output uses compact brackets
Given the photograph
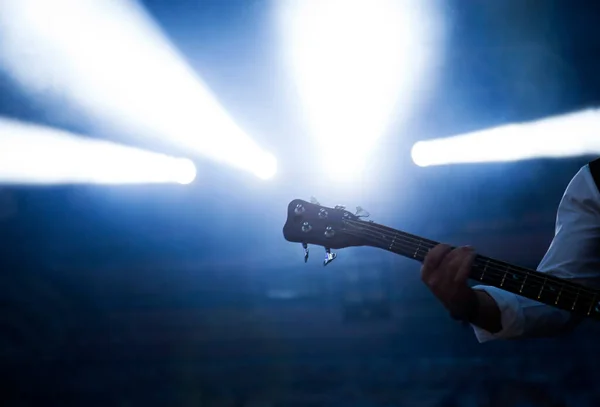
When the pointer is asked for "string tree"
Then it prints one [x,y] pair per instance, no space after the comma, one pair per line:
[361,212]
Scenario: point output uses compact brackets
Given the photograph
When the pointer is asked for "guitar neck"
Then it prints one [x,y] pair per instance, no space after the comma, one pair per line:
[528,283]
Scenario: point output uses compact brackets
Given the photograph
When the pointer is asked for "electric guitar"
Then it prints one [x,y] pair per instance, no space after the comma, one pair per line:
[337,228]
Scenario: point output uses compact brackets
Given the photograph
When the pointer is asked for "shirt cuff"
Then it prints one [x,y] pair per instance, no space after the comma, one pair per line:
[511,315]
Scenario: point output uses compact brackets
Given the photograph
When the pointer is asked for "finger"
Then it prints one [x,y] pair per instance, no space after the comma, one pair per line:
[453,259]
[452,262]
[465,268]
[458,252]
[446,271]
[433,259]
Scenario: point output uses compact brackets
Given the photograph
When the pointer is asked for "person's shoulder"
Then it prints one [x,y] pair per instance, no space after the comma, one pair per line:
[594,171]
[586,183]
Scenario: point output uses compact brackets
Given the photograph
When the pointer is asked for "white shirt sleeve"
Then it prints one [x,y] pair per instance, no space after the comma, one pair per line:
[573,253]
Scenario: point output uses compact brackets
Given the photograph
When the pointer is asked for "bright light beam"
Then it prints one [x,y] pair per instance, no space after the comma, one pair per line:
[570,135]
[31,154]
[108,57]
[358,65]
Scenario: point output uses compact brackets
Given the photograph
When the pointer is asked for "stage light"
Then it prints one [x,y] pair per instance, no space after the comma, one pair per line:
[32,154]
[569,135]
[108,58]
[358,65]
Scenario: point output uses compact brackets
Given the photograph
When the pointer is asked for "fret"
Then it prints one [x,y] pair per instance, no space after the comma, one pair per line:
[592,304]
[523,285]
[393,241]
[559,293]
[542,288]
[576,298]
[417,249]
[487,263]
[504,276]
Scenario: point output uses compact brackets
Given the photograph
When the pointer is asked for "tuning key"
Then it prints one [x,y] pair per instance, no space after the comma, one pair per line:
[329,257]
[305,247]
[340,207]
[313,200]
[306,227]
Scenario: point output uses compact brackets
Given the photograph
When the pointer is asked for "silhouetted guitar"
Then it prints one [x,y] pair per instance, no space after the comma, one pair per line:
[337,228]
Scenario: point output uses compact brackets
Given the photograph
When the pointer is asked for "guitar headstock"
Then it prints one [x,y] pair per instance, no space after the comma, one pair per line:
[311,223]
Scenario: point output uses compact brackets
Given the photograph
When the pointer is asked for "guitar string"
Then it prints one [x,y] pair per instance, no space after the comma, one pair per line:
[491,268]
[490,271]
[504,267]
[580,296]
[430,244]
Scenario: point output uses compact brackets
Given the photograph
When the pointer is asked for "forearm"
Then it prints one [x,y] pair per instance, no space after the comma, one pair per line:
[504,315]
[487,316]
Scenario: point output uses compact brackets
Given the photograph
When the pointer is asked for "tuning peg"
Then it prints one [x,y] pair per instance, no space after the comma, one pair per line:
[313,200]
[299,209]
[305,247]
[340,207]
[329,257]
[361,213]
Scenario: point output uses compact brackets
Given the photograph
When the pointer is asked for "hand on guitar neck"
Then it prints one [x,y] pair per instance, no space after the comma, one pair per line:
[445,272]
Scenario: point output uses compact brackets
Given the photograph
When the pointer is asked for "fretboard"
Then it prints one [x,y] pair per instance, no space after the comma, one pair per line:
[542,287]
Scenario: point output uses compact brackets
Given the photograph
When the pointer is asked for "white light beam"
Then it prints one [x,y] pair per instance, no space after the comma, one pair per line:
[32,154]
[569,135]
[358,65]
[109,58]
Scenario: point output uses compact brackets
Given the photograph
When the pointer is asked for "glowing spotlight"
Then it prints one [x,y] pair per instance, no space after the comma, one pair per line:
[569,135]
[419,154]
[267,167]
[358,65]
[110,59]
[31,154]
[184,171]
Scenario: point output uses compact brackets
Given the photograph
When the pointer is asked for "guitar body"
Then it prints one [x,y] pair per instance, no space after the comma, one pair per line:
[336,228]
